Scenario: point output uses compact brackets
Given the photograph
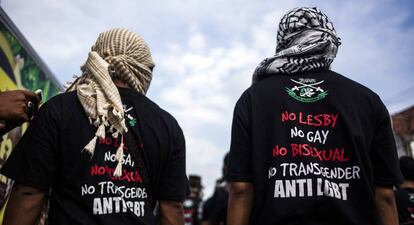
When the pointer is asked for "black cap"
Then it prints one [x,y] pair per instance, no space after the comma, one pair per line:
[195,181]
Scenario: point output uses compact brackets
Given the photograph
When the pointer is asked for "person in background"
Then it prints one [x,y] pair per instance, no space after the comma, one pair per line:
[215,208]
[193,204]
[308,145]
[206,212]
[404,196]
[105,151]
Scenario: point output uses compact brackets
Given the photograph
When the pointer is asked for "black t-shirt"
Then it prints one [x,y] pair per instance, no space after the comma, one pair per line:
[215,208]
[218,213]
[314,145]
[83,188]
[405,205]
[192,211]
[206,209]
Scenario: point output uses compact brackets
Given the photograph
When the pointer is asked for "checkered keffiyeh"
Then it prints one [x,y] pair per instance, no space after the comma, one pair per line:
[117,53]
[306,40]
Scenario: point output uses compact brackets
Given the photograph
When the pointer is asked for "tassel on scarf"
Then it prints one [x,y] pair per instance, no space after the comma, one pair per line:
[116,113]
[124,126]
[120,152]
[101,131]
[119,157]
[115,134]
[118,170]
[96,122]
[90,147]
[105,121]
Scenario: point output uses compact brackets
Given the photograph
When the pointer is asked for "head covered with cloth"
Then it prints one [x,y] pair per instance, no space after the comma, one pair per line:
[117,54]
[306,40]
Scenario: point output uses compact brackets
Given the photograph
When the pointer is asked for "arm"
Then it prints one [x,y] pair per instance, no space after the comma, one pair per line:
[240,203]
[173,185]
[24,205]
[386,169]
[384,197]
[172,213]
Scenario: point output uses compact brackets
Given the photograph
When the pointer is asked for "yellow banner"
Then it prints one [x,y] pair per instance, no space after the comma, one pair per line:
[18,70]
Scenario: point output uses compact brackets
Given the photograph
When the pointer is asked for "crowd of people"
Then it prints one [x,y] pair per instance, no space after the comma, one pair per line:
[308,145]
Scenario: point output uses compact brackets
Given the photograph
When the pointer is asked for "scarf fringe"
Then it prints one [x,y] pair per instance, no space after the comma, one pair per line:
[90,147]
[101,131]
[124,126]
[119,157]
[118,170]
[115,134]
[105,121]
[97,122]
[120,152]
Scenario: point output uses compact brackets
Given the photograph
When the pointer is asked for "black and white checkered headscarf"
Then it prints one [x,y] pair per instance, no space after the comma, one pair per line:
[306,40]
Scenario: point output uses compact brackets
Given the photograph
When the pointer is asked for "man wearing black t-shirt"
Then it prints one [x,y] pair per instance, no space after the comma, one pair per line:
[104,150]
[216,205]
[404,196]
[308,145]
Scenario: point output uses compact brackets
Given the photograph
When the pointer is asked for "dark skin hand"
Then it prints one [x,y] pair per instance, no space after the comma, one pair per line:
[13,108]
[172,213]
[387,209]
[240,203]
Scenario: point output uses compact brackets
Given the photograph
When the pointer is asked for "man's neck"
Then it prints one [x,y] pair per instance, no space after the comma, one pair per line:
[120,83]
[407,184]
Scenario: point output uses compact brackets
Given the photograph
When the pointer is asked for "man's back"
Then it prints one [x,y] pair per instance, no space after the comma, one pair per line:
[84,188]
[314,145]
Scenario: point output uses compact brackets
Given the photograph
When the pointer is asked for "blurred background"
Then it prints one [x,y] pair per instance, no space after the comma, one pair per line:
[205,53]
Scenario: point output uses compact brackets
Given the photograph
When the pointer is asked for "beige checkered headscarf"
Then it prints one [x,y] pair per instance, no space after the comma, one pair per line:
[117,53]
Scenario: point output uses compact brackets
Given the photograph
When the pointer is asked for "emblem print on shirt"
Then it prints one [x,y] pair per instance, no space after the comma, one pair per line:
[411,197]
[131,120]
[307,90]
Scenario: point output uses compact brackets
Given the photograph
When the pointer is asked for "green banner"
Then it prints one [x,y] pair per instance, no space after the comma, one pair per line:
[20,68]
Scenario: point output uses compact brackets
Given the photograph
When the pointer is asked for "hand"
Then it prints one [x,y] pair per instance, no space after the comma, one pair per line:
[14,106]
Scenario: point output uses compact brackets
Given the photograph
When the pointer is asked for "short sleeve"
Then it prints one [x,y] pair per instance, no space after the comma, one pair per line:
[383,151]
[239,167]
[33,161]
[174,185]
